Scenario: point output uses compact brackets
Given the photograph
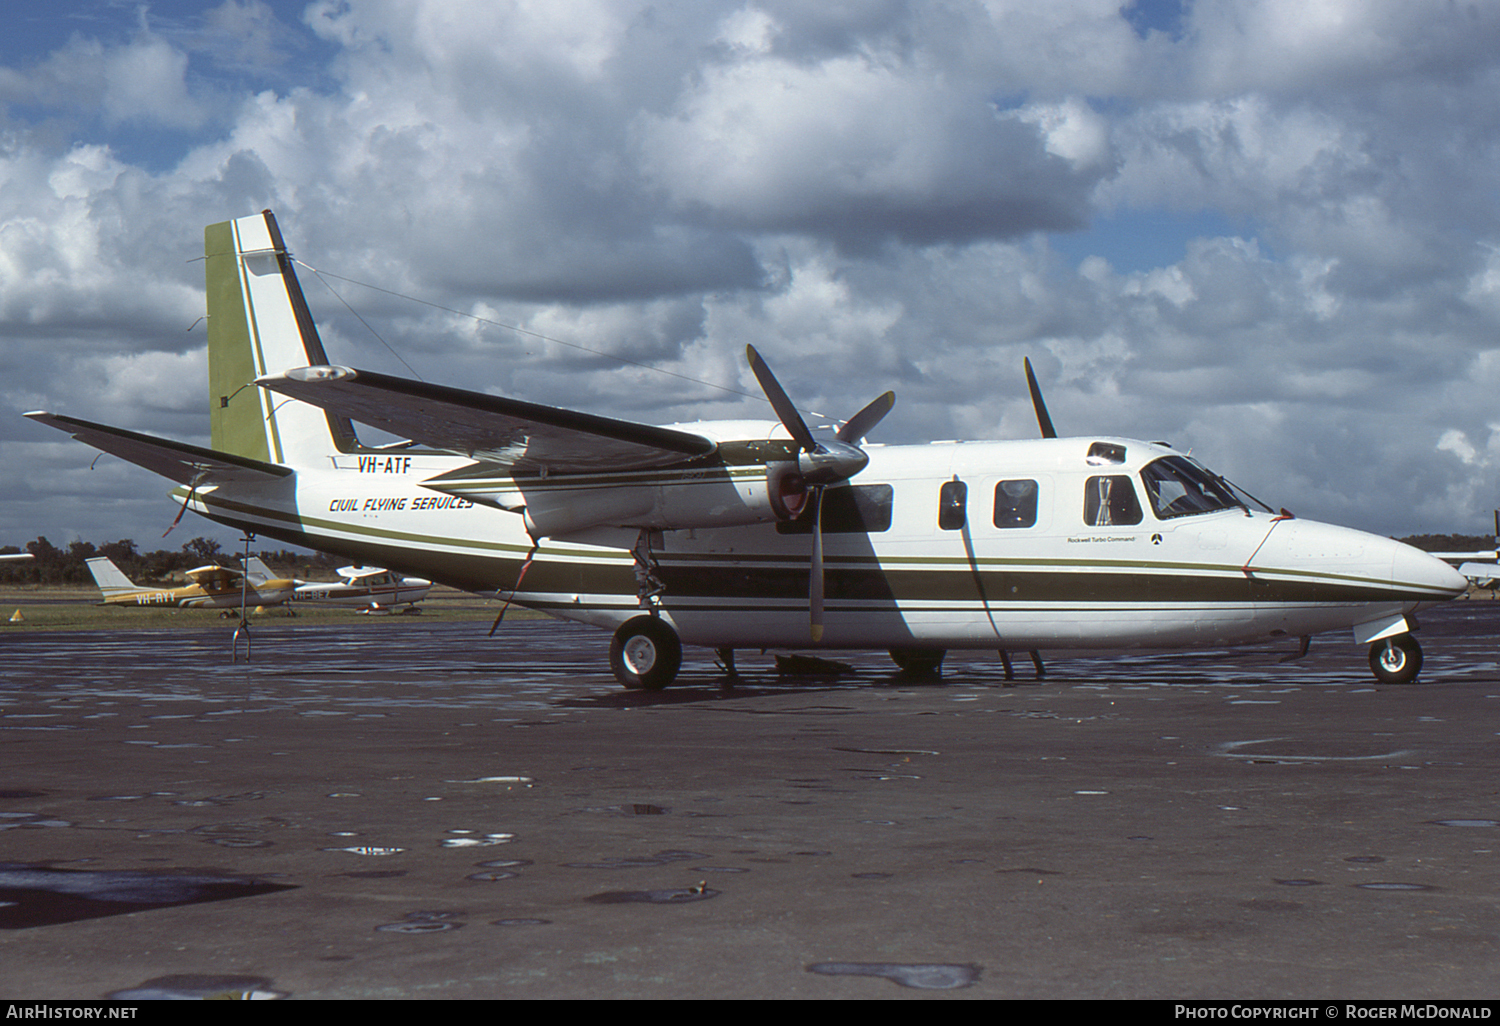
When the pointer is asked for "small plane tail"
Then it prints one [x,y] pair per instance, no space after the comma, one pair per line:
[259,323]
[257,570]
[110,578]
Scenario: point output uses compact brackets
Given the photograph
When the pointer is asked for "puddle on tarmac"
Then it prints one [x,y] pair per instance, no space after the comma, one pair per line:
[481,841]
[632,809]
[522,922]
[430,921]
[29,820]
[424,926]
[661,858]
[919,975]
[1395,886]
[200,988]
[668,896]
[1465,822]
[39,896]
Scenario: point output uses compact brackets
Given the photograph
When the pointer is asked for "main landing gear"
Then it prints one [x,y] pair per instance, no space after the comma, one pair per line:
[645,654]
[1396,660]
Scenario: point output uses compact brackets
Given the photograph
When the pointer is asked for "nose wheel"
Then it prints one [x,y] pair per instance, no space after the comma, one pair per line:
[1396,660]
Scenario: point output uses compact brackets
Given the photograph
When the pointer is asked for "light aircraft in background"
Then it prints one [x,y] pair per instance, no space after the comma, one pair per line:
[212,587]
[372,588]
[1482,567]
[753,534]
[14,556]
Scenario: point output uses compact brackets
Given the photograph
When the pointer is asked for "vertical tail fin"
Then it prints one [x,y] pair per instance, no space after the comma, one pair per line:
[257,570]
[110,578]
[258,323]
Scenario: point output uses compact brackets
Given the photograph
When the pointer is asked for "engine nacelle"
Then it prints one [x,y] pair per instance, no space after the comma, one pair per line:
[713,497]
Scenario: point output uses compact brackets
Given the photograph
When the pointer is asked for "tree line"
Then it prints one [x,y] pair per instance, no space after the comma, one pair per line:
[52,565]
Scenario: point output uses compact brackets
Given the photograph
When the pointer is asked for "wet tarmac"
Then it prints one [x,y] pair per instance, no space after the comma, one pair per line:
[412,810]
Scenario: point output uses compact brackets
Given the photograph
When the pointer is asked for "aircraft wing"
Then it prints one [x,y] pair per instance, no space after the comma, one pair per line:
[213,577]
[515,434]
[178,461]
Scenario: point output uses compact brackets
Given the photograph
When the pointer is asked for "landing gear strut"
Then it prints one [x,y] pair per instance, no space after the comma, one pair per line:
[1396,660]
[645,654]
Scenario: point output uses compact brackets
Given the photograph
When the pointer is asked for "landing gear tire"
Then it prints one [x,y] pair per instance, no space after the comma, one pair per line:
[645,654]
[1396,660]
[919,662]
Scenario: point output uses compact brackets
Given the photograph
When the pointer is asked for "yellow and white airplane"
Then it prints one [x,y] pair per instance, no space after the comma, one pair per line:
[373,588]
[212,587]
[755,534]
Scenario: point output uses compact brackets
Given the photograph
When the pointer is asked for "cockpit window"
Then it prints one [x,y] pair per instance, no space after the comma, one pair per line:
[1179,487]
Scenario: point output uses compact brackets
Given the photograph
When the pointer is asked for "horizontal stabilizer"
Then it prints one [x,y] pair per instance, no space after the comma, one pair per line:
[519,435]
[178,461]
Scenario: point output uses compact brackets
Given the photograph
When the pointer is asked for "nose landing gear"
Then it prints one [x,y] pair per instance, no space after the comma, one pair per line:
[1396,660]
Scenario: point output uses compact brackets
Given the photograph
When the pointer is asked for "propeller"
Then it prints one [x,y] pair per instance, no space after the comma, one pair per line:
[1042,419]
[821,463]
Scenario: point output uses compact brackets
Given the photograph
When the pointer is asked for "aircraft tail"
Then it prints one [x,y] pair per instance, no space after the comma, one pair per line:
[110,578]
[257,570]
[258,323]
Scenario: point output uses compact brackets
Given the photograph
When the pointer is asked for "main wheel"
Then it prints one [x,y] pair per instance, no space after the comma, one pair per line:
[919,662]
[645,654]
[1396,660]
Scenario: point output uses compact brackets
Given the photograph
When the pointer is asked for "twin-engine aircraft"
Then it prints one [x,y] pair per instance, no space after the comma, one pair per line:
[212,587]
[760,534]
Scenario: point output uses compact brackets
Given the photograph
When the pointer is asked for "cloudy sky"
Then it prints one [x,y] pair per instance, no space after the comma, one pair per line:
[1267,230]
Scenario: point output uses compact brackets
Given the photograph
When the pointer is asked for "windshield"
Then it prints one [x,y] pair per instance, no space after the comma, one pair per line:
[1179,487]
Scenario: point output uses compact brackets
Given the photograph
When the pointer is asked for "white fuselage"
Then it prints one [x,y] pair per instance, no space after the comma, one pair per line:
[1052,572]
[384,589]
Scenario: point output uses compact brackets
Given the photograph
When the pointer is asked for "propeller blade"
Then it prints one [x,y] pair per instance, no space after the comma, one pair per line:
[815,585]
[1043,421]
[786,412]
[863,422]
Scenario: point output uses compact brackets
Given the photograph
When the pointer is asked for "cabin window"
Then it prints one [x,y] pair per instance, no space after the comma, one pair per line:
[1015,504]
[856,509]
[1110,502]
[1178,487]
[952,503]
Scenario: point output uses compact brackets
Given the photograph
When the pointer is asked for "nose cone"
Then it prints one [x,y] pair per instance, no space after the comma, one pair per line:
[1379,568]
[1412,568]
